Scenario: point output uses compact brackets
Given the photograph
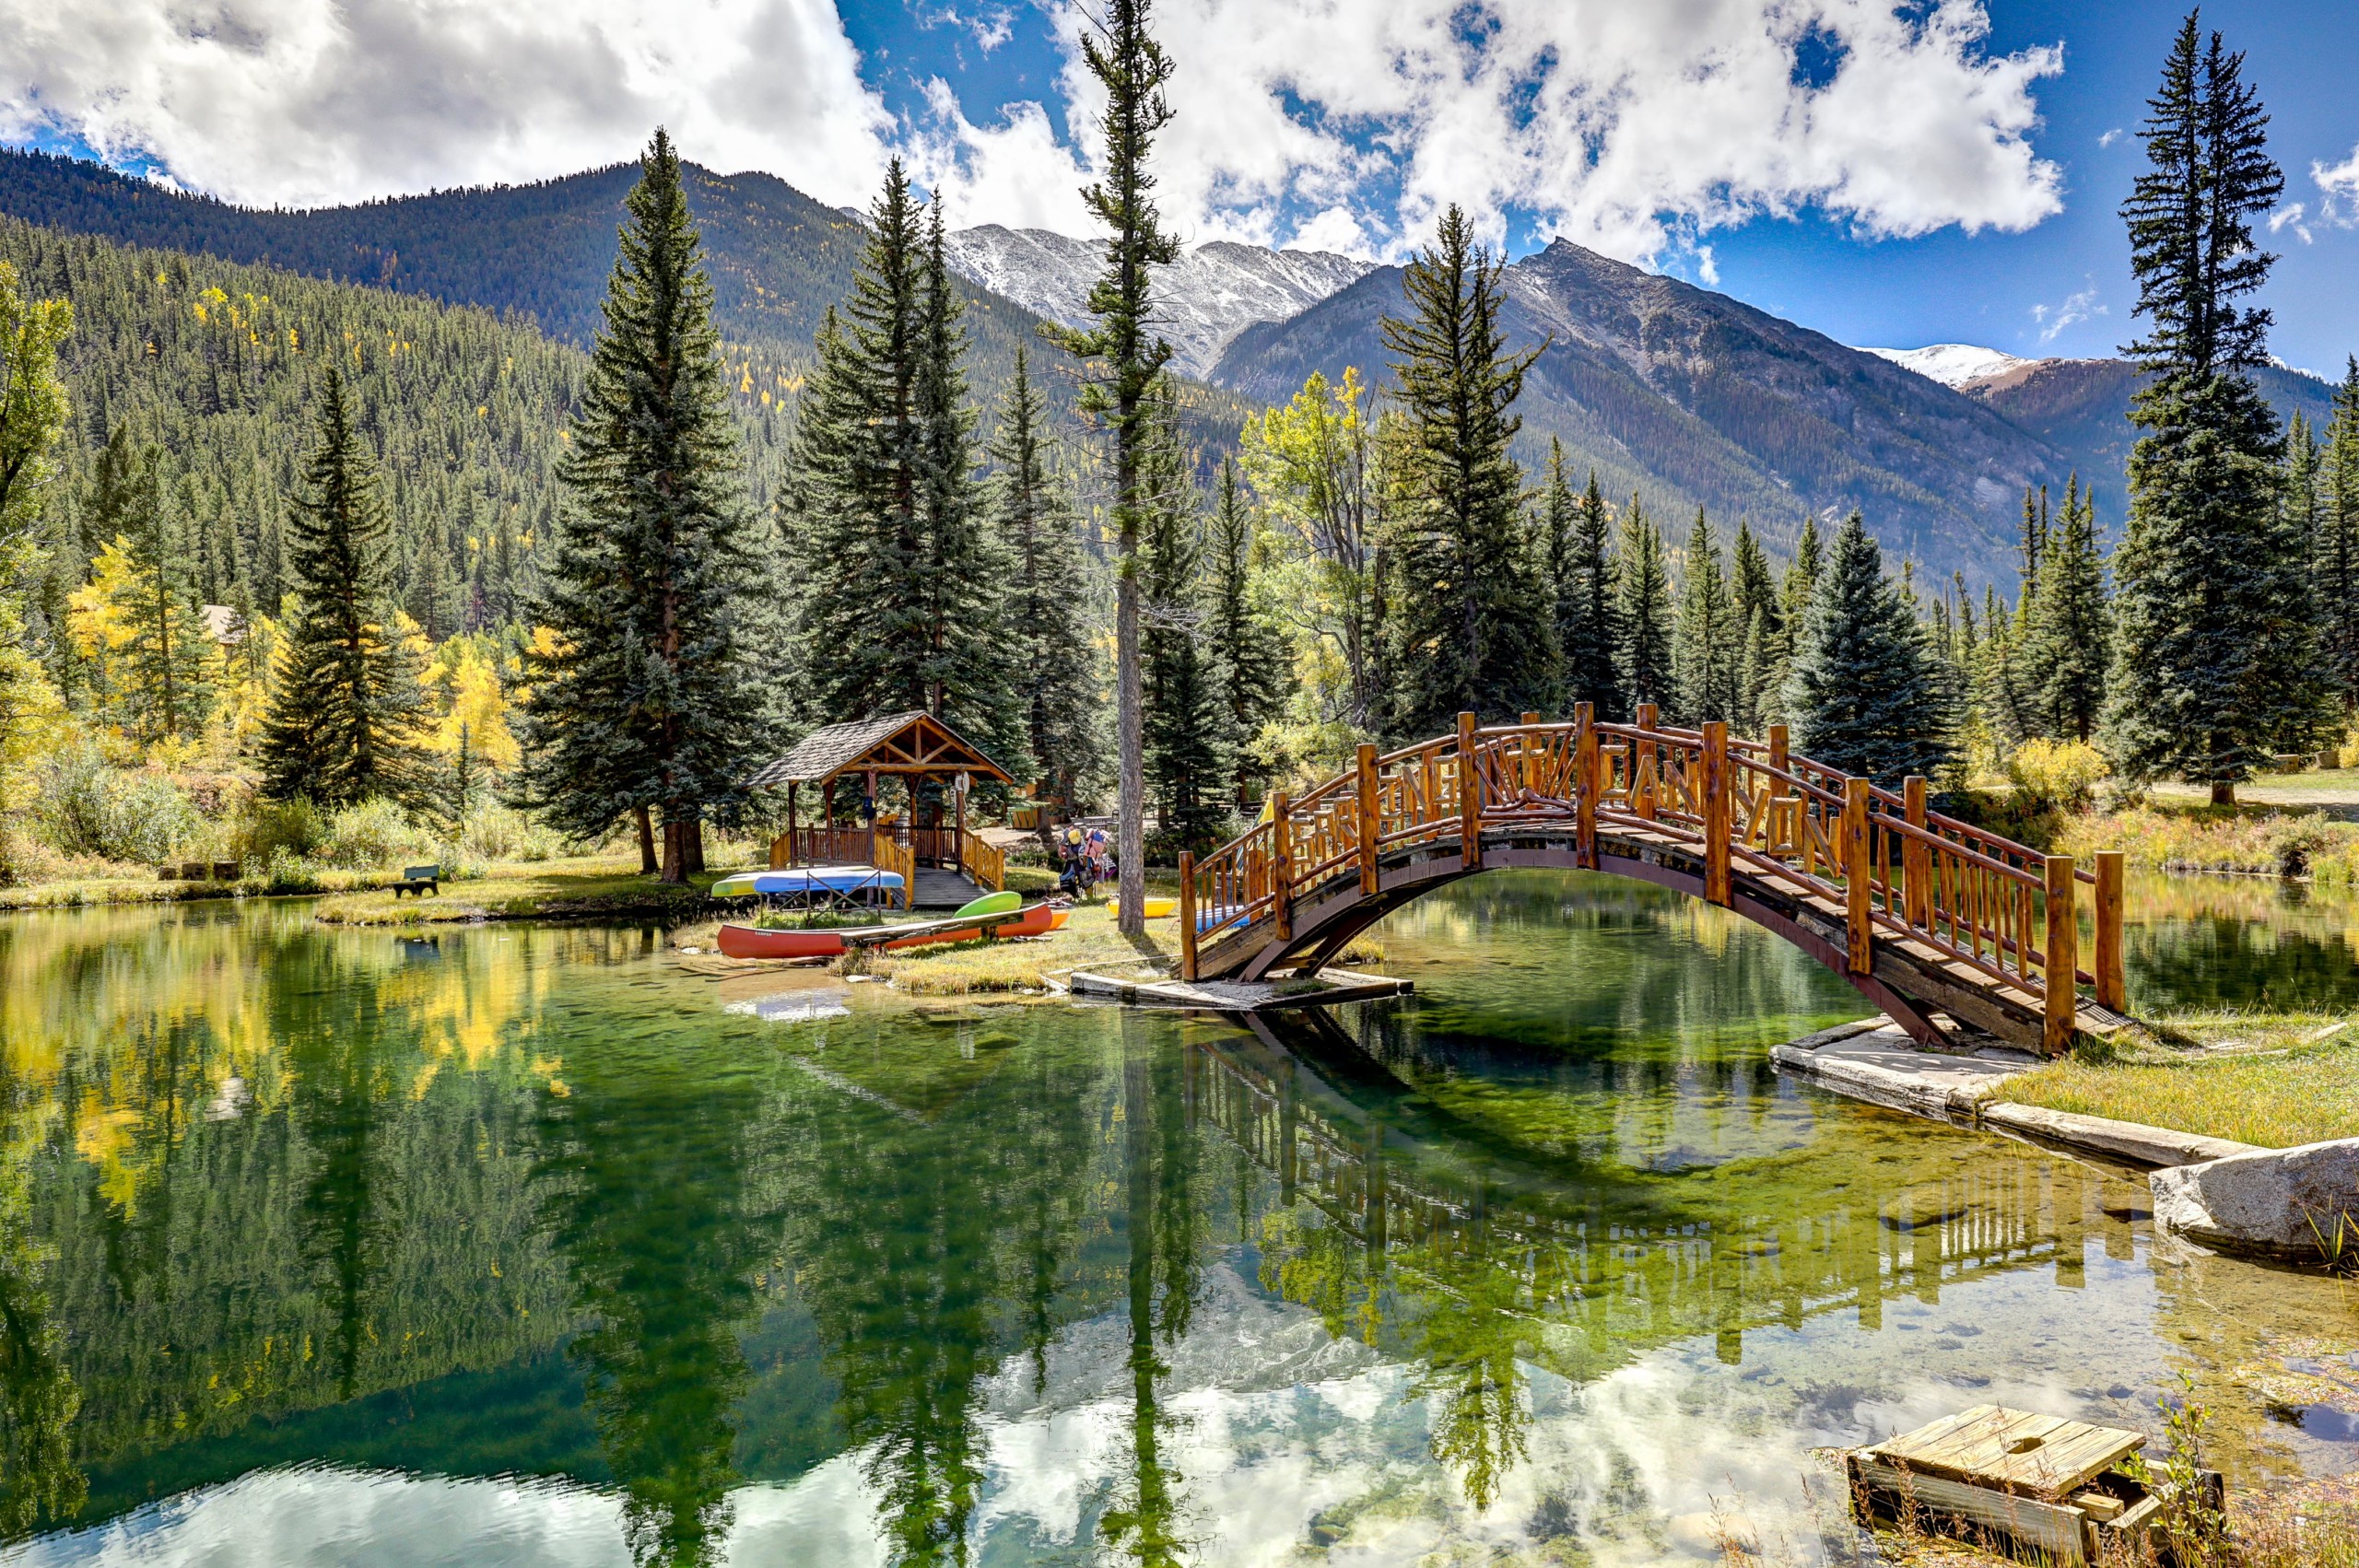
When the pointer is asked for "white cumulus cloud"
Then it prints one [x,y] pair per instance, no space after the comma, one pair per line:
[308,102]
[2339,190]
[1623,127]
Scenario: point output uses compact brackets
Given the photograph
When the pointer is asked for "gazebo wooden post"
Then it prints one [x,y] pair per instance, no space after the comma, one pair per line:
[827,813]
[958,836]
[789,861]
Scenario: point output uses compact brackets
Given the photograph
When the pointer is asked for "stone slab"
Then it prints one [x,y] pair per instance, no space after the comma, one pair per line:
[1881,1064]
[2295,1204]
[2130,1140]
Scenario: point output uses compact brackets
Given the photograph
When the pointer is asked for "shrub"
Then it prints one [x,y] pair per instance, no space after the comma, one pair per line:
[84,806]
[265,827]
[372,834]
[2294,841]
[494,832]
[2058,773]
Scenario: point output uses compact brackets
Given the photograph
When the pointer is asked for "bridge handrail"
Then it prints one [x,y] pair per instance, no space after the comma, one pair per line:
[1892,867]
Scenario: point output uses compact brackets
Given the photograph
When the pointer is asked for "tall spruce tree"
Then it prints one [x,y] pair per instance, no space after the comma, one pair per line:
[170,656]
[2072,632]
[1047,597]
[1643,613]
[653,701]
[2213,668]
[852,509]
[1472,627]
[1243,638]
[1588,624]
[2337,555]
[1191,749]
[1752,590]
[966,678]
[1128,358]
[1864,693]
[1706,641]
[346,705]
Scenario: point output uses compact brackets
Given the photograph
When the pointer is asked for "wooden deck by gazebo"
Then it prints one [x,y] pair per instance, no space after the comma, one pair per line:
[911,749]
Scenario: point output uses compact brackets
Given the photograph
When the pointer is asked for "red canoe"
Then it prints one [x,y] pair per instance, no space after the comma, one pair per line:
[753,941]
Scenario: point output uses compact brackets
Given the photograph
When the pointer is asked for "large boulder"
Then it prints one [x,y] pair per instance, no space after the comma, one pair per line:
[2296,1204]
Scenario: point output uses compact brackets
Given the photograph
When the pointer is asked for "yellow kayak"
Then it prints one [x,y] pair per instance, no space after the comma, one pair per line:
[1157,908]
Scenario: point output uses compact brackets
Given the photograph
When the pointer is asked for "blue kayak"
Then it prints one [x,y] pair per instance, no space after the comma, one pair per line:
[808,879]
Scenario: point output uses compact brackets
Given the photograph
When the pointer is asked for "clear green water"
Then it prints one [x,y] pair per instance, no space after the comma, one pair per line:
[529,1246]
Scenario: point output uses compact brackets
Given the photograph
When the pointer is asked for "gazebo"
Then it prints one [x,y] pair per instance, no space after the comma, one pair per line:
[912,747]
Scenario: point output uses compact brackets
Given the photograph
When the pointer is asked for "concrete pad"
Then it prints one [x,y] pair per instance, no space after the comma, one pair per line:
[2131,1141]
[2299,1204]
[1882,1065]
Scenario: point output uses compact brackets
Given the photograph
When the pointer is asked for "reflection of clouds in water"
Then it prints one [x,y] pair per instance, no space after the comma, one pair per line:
[1284,1436]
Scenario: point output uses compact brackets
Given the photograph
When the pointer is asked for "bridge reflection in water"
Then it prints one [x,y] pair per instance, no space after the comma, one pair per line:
[1586,1264]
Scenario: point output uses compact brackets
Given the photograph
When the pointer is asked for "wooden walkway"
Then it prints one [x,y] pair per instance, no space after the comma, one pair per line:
[1936,922]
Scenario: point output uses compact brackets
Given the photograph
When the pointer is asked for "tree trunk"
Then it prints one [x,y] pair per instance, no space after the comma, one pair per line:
[2223,791]
[646,842]
[675,869]
[1130,820]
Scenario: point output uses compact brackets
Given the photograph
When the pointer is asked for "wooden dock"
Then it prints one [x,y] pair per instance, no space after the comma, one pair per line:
[1329,988]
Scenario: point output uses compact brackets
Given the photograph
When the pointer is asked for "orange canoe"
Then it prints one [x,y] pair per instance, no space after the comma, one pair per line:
[754,942]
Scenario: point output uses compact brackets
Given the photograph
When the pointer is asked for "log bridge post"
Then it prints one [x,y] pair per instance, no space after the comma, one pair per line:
[1281,867]
[1716,811]
[1187,917]
[1470,798]
[1642,764]
[1371,820]
[1588,783]
[2112,991]
[2059,1021]
[1916,859]
[1859,875]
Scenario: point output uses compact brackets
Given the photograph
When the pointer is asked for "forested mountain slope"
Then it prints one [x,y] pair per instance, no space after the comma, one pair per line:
[2082,407]
[1691,397]
[778,258]
[214,364]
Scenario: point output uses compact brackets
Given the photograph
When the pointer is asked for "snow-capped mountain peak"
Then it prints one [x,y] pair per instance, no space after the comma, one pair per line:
[1952,364]
[1207,296]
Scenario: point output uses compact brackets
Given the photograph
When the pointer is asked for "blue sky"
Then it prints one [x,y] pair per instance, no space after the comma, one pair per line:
[1891,174]
[2059,287]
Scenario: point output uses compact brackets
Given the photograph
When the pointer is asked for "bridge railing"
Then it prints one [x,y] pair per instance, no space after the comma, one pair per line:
[1890,869]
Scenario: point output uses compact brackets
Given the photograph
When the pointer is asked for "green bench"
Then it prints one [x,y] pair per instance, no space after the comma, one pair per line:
[420,880]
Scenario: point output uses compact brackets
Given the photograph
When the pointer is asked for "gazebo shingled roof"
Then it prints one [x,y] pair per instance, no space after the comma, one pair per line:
[912,743]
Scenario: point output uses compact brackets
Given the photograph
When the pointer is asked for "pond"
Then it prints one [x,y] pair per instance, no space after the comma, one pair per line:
[529,1246]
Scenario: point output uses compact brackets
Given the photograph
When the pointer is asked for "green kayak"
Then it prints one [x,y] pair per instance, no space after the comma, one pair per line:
[992,904]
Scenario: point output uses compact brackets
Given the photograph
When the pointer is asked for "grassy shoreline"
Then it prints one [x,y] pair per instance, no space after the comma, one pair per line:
[2274,1080]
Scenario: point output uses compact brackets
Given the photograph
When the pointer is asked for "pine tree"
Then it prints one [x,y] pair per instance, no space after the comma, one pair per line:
[1122,53]
[653,699]
[1706,639]
[2214,667]
[1587,623]
[1864,695]
[966,678]
[1642,609]
[1794,590]
[1752,590]
[1049,638]
[1190,752]
[1472,627]
[855,497]
[2337,555]
[346,706]
[1243,639]
[2072,630]
[170,659]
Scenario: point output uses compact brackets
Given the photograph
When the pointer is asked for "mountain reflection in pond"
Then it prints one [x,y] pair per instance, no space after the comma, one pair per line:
[523,1246]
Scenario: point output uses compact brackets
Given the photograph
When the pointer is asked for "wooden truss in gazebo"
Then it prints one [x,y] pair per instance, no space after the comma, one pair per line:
[913,748]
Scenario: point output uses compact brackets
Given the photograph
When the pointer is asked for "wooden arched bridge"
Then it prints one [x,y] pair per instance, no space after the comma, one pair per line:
[1935,921]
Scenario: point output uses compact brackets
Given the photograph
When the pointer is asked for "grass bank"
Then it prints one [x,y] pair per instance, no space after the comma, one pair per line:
[2223,839]
[604,888]
[88,892]
[2276,1080]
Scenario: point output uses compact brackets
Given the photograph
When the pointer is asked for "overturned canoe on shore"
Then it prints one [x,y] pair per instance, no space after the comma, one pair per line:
[754,942]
